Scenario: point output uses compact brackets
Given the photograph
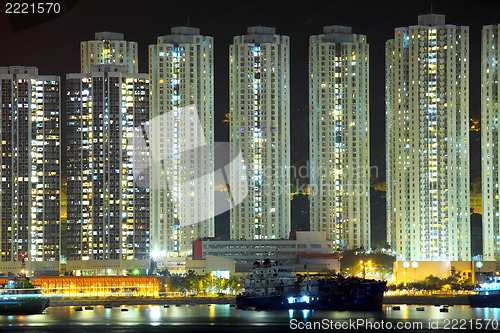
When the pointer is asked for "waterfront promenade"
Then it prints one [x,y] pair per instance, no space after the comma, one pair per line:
[427,299]
[173,301]
[118,301]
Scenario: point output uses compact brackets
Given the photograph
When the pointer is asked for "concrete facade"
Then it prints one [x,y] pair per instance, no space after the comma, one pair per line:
[181,68]
[109,48]
[30,161]
[259,108]
[107,211]
[442,269]
[339,137]
[490,144]
[427,143]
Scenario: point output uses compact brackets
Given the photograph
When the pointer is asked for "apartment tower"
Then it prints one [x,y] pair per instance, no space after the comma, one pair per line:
[109,48]
[489,142]
[30,170]
[108,212]
[427,128]
[339,137]
[181,68]
[259,107]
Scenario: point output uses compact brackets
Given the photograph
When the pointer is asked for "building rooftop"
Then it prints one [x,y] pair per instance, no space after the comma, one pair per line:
[338,34]
[259,34]
[185,31]
[180,35]
[260,30]
[106,35]
[19,70]
[339,29]
[431,20]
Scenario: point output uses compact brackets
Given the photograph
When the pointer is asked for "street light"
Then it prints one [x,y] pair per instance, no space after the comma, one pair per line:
[406,264]
[370,268]
[479,264]
[363,260]
[414,265]
[23,270]
[212,286]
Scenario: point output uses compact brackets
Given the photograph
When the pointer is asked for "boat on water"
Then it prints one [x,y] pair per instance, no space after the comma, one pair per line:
[488,294]
[272,286]
[19,296]
[266,286]
[339,293]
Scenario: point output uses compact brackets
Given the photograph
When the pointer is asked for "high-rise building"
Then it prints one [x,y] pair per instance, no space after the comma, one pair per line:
[427,110]
[107,212]
[109,48]
[489,142]
[30,171]
[259,107]
[181,69]
[339,137]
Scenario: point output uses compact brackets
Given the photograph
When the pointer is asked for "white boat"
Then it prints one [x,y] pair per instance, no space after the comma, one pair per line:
[19,296]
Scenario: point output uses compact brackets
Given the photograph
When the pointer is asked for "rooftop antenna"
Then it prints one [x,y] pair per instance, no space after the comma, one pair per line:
[431,9]
[188,22]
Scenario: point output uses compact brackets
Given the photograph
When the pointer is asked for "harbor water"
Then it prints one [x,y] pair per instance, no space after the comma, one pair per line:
[225,318]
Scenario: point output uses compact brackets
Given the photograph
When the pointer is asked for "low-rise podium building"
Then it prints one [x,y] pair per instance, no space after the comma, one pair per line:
[303,248]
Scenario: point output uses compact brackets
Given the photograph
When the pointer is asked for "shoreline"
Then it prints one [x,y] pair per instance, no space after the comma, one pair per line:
[427,300]
[56,302]
[388,300]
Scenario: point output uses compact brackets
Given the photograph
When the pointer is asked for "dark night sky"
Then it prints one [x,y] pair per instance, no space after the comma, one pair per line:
[53,46]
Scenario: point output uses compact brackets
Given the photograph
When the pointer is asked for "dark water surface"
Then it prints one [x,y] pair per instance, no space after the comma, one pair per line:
[217,318]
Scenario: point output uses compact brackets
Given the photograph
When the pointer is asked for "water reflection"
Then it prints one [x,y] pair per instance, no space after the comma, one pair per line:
[305,314]
[216,315]
[155,312]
